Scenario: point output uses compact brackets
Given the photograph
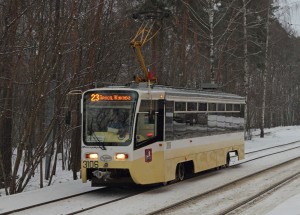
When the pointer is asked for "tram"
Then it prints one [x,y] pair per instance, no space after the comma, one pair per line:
[147,135]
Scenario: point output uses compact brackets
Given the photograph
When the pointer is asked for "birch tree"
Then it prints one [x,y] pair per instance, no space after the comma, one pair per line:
[265,74]
[246,69]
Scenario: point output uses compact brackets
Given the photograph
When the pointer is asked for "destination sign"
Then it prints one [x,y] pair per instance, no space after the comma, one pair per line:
[96,97]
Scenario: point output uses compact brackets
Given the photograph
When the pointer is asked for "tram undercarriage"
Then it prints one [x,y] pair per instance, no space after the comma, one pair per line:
[109,177]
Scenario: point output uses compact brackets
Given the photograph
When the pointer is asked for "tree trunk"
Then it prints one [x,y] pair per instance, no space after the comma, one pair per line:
[211,15]
[75,141]
[8,62]
[265,73]
[247,134]
[41,173]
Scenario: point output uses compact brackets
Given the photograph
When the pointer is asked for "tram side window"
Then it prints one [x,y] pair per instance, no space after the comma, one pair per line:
[210,119]
[212,122]
[219,123]
[146,127]
[235,120]
[229,122]
[169,130]
[202,106]
[238,118]
[179,125]
[180,106]
[189,125]
[221,107]
[212,106]
[236,107]
[192,106]
[196,125]
[229,107]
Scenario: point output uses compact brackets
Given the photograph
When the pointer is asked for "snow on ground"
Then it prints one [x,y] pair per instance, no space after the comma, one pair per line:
[289,207]
[273,136]
[63,184]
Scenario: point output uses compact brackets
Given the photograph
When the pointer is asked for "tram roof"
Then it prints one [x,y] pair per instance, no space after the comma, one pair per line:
[182,92]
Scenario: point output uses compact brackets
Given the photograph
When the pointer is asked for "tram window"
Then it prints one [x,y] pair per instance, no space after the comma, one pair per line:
[212,122]
[169,106]
[202,106]
[228,107]
[169,134]
[179,125]
[221,122]
[192,106]
[212,106]
[180,106]
[221,107]
[237,107]
[145,128]
[196,125]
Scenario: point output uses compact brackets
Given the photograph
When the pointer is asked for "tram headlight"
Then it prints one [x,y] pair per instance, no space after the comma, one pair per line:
[121,156]
[93,156]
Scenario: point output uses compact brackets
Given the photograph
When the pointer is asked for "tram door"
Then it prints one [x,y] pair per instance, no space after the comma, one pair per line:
[150,123]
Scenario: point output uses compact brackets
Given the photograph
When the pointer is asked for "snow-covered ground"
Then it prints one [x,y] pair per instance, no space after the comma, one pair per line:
[290,193]
[63,184]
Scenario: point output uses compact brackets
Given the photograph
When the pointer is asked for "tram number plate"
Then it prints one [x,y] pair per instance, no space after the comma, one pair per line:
[90,164]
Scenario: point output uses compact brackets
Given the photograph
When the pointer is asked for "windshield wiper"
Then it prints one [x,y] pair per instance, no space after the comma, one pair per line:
[102,146]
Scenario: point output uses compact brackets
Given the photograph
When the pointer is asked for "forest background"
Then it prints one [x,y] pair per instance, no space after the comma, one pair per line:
[49,48]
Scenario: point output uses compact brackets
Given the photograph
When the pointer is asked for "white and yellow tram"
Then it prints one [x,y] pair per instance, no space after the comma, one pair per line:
[160,134]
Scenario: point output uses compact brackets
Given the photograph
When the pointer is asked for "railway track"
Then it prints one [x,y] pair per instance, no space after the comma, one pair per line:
[238,208]
[231,206]
[287,147]
[274,147]
[232,197]
[103,197]
[135,192]
[35,205]
[107,207]
[80,202]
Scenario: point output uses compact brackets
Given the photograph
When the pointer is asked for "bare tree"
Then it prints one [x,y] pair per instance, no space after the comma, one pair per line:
[265,74]
[48,49]
[246,70]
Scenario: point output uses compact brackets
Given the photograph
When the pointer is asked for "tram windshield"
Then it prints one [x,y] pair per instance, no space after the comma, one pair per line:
[108,117]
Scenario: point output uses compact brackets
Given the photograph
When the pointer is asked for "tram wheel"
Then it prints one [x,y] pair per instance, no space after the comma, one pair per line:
[180,172]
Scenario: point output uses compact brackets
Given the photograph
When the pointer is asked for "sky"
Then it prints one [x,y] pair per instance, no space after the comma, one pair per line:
[290,14]
[63,185]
